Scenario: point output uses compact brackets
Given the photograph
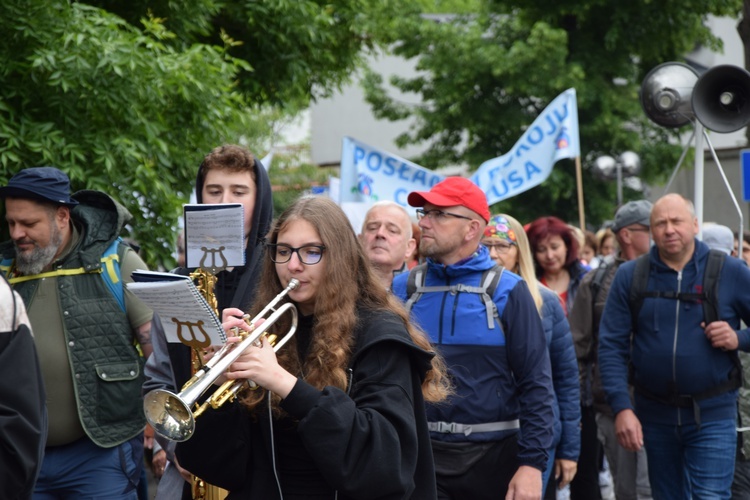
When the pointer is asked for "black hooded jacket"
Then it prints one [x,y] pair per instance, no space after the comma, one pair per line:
[234,288]
[370,442]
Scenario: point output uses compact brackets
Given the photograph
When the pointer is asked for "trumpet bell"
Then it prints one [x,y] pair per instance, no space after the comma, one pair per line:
[169,415]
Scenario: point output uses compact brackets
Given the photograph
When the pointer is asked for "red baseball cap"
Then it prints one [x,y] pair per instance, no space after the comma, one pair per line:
[453,191]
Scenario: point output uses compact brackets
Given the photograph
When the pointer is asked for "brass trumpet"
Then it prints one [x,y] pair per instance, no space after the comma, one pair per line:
[170,414]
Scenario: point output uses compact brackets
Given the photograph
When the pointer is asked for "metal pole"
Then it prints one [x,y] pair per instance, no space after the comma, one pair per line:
[731,194]
[618,165]
[698,179]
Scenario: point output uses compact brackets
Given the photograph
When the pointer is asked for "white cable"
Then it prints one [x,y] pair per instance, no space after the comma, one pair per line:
[273,448]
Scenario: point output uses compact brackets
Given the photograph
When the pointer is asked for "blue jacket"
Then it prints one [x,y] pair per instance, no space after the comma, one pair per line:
[670,348]
[564,376]
[500,374]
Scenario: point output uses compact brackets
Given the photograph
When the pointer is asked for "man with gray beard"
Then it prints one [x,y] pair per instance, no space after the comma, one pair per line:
[63,260]
[32,258]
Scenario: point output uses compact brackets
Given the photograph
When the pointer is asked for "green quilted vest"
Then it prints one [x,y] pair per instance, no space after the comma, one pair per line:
[107,367]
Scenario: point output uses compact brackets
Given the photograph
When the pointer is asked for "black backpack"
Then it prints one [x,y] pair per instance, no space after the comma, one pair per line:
[709,298]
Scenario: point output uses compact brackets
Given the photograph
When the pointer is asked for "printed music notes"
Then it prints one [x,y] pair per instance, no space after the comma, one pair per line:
[214,236]
[184,313]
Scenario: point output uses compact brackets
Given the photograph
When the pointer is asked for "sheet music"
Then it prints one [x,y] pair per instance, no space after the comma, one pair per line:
[185,314]
[214,235]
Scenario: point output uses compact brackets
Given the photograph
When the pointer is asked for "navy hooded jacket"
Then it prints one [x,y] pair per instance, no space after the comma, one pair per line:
[670,348]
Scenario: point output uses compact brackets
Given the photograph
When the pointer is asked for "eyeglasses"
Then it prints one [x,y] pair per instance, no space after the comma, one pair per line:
[308,254]
[438,215]
[500,246]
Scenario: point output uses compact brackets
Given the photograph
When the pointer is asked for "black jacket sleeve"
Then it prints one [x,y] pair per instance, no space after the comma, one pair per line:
[23,414]
[365,443]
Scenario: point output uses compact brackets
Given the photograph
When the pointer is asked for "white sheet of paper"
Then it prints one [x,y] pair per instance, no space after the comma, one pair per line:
[184,313]
[214,235]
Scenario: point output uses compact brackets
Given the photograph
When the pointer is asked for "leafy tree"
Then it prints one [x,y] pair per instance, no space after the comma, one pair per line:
[484,76]
[115,107]
[294,49]
[127,97]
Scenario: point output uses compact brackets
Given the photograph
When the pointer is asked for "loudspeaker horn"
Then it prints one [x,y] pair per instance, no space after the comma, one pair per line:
[666,94]
[721,98]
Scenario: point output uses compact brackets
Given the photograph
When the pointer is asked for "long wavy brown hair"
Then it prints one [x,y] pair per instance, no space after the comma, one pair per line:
[349,283]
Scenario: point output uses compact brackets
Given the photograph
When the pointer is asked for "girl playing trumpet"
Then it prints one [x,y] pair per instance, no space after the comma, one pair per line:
[339,412]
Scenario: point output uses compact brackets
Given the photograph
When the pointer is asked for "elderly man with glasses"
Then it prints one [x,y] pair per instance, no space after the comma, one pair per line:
[491,437]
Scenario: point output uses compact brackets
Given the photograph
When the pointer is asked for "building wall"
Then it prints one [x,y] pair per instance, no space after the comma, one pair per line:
[347,113]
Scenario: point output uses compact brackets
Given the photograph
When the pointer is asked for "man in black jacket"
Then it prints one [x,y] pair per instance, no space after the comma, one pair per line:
[23,414]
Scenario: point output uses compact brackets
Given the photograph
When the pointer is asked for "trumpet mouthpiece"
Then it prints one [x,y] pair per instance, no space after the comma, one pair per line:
[293,283]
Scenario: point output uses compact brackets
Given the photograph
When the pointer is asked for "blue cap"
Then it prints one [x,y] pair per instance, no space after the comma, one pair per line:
[40,183]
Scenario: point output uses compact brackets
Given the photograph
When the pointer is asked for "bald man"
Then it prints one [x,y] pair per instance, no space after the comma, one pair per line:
[387,239]
[683,368]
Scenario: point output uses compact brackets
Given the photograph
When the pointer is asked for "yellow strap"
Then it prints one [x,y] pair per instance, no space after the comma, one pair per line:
[50,274]
[109,264]
[108,261]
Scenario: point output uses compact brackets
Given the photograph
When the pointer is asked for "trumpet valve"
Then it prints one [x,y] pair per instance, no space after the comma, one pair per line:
[199,409]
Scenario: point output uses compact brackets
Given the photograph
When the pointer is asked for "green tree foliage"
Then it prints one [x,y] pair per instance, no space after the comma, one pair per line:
[115,107]
[127,97]
[295,48]
[483,77]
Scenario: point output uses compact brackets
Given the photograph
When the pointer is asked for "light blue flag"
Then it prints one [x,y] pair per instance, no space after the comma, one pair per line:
[369,174]
[552,136]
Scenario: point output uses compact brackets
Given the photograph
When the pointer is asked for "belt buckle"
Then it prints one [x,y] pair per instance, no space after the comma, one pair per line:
[446,427]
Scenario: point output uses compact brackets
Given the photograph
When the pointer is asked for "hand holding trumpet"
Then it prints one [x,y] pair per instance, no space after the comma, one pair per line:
[258,363]
[253,357]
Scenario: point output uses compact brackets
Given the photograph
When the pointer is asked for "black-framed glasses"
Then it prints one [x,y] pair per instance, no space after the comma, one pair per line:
[438,215]
[307,254]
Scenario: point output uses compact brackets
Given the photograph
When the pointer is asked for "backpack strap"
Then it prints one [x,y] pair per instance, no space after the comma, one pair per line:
[708,297]
[638,287]
[415,280]
[711,276]
[488,284]
[110,271]
[598,279]
[111,262]
[490,279]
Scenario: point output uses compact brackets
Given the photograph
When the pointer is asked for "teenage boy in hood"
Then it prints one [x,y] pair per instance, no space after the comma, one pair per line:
[228,174]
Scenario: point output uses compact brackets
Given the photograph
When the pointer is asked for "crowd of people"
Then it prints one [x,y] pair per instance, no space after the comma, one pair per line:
[461,355]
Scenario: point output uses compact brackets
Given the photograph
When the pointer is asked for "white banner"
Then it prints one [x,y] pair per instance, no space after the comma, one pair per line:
[552,137]
[369,175]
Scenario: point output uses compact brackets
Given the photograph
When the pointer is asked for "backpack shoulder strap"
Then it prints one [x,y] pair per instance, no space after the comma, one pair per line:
[414,281]
[711,276]
[111,261]
[415,287]
[638,287]
[490,279]
[598,279]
